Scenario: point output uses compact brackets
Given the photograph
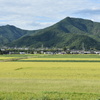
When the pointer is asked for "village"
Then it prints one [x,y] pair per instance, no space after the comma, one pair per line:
[14,50]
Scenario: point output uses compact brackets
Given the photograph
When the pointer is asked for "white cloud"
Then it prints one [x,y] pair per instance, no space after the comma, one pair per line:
[35,14]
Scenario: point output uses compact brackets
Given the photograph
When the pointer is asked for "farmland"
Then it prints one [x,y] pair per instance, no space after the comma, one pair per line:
[50,77]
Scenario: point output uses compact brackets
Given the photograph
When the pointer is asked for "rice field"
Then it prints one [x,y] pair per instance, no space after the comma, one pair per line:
[13,57]
[6,58]
[61,60]
[48,77]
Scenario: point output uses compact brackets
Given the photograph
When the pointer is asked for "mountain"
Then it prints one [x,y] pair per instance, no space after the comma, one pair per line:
[69,32]
[10,33]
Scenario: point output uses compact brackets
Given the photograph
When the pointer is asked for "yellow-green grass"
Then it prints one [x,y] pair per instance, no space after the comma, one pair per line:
[85,59]
[68,56]
[63,58]
[50,80]
[4,58]
[50,76]
[15,57]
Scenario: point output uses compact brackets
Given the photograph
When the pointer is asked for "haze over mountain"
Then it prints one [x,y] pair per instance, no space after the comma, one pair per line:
[69,32]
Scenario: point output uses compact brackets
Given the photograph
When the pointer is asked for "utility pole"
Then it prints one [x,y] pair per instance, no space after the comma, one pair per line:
[42,47]
[83,48]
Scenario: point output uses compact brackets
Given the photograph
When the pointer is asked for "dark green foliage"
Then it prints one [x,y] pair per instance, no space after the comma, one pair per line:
[69,32]
[1,52]
[10,33]
[48,96]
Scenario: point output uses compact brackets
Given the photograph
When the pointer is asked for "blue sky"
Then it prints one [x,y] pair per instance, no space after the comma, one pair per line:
[37,14]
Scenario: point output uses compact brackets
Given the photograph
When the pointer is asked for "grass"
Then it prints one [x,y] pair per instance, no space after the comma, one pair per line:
[48,96]
[51,80]
[70,56]
[60,60]
[16,57]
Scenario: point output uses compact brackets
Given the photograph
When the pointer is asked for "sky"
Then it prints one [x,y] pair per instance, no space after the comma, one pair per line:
[38,14]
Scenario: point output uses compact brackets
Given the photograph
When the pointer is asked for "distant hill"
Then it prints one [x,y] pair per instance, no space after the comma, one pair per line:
[69,32]
[9,33]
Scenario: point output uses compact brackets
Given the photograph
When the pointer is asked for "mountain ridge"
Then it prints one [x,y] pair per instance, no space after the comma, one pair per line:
[69,32]
[9,33]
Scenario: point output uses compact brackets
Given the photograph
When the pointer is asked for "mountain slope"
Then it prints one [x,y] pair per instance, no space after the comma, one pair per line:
[69,32]
[10,33]
[72,41]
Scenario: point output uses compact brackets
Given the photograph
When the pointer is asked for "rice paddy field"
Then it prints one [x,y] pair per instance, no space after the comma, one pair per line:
[50,77]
